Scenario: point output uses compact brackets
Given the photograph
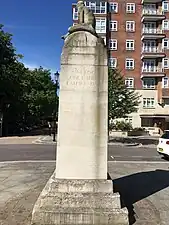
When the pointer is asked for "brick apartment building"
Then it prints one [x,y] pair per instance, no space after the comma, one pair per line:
[137,36]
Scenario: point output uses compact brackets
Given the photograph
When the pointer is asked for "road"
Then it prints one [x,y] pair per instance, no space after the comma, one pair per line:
[45,152]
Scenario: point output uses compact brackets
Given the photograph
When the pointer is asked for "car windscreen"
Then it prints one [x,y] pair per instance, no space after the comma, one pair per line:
[165,135]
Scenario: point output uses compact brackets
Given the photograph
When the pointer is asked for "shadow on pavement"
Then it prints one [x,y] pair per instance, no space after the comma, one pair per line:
[136,187]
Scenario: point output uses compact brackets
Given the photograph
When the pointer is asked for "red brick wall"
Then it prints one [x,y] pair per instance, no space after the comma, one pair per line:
[121,35]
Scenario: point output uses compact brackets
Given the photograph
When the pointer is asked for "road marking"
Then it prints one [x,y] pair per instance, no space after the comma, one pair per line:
[28,161]
[134,162]
[136,156]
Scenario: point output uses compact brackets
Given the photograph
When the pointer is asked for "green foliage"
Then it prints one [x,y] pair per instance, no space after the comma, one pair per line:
[30,93]
[120,125]
[122,101]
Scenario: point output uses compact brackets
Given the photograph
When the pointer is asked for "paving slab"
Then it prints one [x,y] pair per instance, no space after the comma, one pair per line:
[144,188]
[19,140]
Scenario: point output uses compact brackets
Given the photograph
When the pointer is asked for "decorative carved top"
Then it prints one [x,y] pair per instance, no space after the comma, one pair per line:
[85,15]
[86,20]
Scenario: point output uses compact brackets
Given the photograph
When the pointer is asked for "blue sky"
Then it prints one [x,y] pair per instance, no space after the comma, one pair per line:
[37,27]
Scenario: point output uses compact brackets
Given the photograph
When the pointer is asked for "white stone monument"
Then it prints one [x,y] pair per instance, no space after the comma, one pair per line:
[78,192]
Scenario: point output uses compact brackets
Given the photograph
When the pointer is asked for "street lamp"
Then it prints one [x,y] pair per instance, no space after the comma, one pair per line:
[56,77]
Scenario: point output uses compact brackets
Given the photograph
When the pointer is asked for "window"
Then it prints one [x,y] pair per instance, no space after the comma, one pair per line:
[130,26]
[113,62]
[166,63]
[129,64]
[130,8]
[148,102]
[165,82]
[165,25]
[129,44]
[113,7]
[165,6]
[147,122]
[129,82]
[149,66]
[99,8]
[75,14]
[113,44]
[113,25]
[148,83]
[165,44]
[129,119]
[101,25]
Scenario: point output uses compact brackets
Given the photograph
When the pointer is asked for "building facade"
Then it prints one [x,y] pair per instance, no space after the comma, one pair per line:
[136,33]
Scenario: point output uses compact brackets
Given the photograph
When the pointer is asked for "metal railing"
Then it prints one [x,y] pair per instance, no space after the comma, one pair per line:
[152,70]
[147,49]
[152,31]
[152,12]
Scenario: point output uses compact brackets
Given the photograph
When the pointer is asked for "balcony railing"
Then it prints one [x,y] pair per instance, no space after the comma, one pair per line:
[152,69]
[147,49]
[152,12]
[152,31]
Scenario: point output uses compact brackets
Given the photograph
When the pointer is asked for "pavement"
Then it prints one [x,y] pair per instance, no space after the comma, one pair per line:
[144,189]
[139,174]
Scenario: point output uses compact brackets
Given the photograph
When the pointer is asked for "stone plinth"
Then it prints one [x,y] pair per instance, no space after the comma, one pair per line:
[77,202]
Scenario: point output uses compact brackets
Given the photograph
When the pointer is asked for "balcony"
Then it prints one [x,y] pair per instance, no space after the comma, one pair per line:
[152,52]
[150,1]
[152,15]
[152,72]
[152,33]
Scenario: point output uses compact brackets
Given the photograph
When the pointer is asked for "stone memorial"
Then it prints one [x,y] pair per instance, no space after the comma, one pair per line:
[79,192]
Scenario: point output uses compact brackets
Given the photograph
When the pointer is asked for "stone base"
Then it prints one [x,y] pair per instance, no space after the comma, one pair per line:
[74,202]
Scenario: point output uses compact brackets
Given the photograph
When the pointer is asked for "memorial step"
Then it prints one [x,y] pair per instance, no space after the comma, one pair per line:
[82,216]
[89,200]
[93,186]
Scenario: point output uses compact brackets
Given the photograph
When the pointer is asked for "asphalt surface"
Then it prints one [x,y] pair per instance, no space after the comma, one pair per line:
[48,152]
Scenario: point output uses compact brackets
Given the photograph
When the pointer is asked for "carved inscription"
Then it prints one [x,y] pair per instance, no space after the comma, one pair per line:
[81,78]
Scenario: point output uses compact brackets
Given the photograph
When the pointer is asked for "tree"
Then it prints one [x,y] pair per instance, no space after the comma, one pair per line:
[31,94]
[121,100]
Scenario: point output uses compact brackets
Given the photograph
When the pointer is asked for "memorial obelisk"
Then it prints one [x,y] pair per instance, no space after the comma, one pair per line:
[78,192]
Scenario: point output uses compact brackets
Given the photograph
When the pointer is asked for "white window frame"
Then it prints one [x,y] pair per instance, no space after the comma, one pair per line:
[149,66]
[150,83]
[167,41]
[101,25]
[165,25]
[131,62]
[75,13]
[166,66]
[130,26]
[129,82]
[165,82]
[149,100]
[96,7]
[113,7]
[113,25]
[130,7]
[113,44]
[113,62]
[129,119]
[165,6]
[130,44]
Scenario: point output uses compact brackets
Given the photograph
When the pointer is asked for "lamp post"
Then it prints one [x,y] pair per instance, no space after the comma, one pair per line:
[56,76]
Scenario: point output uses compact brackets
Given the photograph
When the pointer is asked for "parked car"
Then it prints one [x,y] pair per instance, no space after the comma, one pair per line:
[163,145]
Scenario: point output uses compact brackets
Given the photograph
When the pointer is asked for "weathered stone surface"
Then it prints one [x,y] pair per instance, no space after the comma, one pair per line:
[82,125]
[81,207]
[78,192]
